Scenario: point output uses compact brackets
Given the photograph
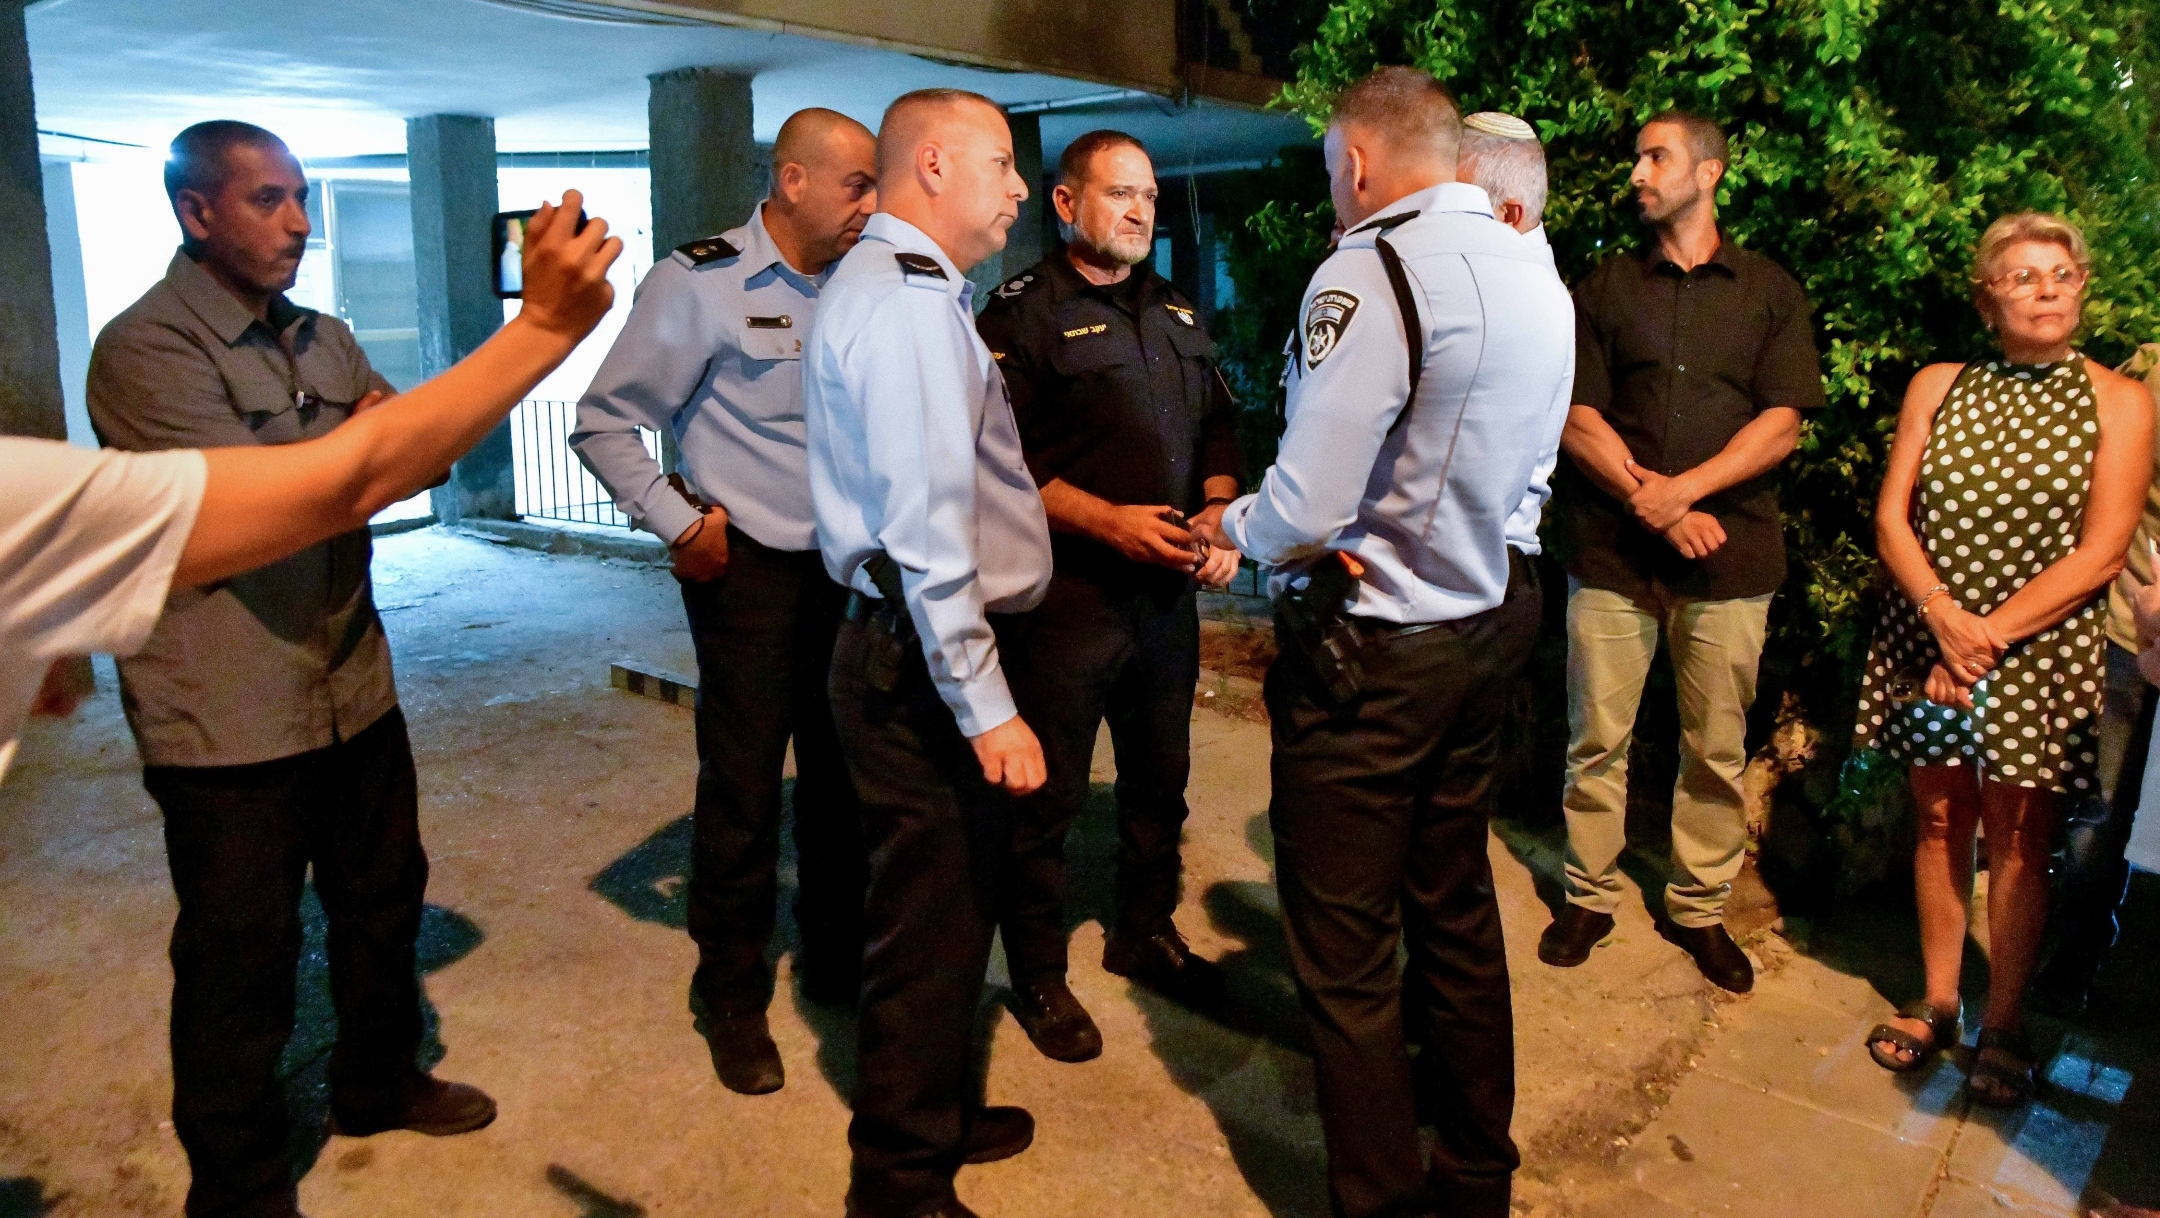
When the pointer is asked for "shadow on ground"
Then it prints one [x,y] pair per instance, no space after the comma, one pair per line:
[446,937]
[25,1197]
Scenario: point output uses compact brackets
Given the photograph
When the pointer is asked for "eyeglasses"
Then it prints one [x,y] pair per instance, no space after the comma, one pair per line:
[2025,281]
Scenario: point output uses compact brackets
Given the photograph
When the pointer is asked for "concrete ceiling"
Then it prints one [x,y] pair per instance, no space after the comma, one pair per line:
[339,78]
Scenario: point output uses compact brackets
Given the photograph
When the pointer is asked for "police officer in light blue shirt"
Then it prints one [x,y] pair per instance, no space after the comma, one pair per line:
[927,511]
[1403,615]
[712,352]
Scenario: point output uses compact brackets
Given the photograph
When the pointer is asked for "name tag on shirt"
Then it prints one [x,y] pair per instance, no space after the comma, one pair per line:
[781,322]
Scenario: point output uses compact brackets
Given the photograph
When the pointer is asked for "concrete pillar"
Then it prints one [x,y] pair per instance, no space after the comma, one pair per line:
[451,158]
[71,298]
[705,171]
[31,402]
[1026,247]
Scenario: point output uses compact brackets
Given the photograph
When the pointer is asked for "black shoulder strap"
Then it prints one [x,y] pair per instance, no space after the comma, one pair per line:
[706,250]
[1406,303]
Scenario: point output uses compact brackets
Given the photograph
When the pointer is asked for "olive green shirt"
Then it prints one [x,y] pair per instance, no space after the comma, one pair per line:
[291,656]
[2137,565]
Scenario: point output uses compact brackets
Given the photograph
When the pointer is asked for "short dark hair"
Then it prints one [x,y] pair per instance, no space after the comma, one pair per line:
[1409,107]
[198,162]
[1078,155]
[1705,138]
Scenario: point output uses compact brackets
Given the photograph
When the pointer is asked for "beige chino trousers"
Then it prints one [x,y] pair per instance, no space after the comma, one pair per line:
[1715,648]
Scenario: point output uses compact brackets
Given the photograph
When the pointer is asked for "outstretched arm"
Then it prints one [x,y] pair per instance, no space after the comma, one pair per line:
[260,504]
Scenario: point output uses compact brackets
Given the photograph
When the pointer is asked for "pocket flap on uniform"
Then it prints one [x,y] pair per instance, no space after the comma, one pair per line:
[771,342]
[1191,341]
[1088,347]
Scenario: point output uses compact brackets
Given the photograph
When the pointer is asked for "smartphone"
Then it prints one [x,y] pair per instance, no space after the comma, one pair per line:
[509,261]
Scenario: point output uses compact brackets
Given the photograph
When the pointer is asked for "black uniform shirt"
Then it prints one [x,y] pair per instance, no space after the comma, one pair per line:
[1678,362]
[1116,393]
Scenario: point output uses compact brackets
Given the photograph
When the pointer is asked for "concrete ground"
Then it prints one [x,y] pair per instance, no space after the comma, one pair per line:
[554,810]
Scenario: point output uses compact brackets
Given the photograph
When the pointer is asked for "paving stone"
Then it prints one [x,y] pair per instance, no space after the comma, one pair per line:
[1725,1149]
[1959,1199]
[1816,1057]
[2038,1156]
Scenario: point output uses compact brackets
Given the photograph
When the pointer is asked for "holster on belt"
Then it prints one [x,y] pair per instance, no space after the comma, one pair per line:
[886,656]
[1312,620]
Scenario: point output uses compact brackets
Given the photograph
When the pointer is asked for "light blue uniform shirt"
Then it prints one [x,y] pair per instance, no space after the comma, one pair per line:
[913,452]
[1522,527]
[712,351]
[1427,509]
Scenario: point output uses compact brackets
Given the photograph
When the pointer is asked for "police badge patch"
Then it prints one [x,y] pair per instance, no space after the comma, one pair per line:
[1326,318]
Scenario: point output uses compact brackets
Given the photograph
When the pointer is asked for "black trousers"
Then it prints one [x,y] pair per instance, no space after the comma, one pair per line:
[764,639]
[1379,813]
[240,841]
[938,836]
[2097,831]
[1087,654]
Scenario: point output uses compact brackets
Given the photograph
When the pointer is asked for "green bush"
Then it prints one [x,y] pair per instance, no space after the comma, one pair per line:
[1873,141]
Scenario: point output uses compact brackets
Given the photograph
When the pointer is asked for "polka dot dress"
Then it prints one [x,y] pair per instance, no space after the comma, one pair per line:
[2001,497]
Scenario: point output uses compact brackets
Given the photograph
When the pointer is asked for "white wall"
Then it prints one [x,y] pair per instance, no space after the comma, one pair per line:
[623,197]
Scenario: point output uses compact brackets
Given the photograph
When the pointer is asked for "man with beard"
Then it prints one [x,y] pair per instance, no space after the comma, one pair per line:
[263,704]
[1128,428]
[1694,361]
[713,353]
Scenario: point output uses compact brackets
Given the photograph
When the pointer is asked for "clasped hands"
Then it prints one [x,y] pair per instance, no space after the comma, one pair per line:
[1666,506]
[1970,646]
[1145,534]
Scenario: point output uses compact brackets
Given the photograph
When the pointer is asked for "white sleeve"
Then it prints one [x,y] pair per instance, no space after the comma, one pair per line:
[89,540]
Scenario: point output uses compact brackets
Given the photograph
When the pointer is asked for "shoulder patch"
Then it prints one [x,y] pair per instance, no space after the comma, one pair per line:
[1326,318]
[1013,287]
[706,250]
[919,264]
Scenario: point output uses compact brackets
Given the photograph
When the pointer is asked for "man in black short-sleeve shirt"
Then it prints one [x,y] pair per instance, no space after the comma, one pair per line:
[1127,428]
[1695,359]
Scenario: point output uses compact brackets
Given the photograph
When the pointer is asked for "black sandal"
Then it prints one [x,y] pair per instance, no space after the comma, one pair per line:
[1942,1032]
[2016,1083]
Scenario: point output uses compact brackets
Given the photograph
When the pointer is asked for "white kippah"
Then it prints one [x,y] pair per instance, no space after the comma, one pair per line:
[1506,126]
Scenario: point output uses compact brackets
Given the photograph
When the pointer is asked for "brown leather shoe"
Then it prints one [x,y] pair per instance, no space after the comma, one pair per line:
[1719,958]
[996,1133]
[1163,963]
[744,1055]
[422,1104]
[1569,940]
[1060,1027]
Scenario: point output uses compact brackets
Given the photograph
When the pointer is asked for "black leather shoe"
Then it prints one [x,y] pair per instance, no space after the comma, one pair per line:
[1569,940]
[1163,963]
[744,1055]
[997,1133]
[1056,1021]
[422,1104]
[951,1209]
[1719,958]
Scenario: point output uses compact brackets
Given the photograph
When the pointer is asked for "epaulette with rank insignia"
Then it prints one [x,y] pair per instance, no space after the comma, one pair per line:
[706,249]
[1013,287]
[919,264]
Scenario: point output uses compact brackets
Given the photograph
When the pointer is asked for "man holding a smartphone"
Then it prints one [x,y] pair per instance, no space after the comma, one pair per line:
[1127,427]
[712,353]
[263,704]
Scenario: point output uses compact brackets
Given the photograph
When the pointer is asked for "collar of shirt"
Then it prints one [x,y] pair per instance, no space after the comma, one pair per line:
[1443,196]
[1132,293]
[220,309]
[762,260]
[905,238]
[1653,256]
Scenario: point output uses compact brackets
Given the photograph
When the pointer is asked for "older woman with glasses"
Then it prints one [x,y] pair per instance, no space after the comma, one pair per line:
[2013,487]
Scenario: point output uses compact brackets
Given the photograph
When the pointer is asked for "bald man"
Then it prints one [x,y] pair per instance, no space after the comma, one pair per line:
[713,352]
[927,512]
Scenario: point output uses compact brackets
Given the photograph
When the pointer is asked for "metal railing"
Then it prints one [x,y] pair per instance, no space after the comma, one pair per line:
[552,484]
